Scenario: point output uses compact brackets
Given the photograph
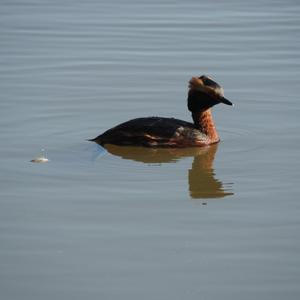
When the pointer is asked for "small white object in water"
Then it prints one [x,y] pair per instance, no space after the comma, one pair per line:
[41,158]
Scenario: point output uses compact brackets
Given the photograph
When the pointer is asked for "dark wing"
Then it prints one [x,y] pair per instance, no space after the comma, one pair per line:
[151,131]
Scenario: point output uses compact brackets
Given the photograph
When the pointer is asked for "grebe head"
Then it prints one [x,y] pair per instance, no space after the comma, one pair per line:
[204,93]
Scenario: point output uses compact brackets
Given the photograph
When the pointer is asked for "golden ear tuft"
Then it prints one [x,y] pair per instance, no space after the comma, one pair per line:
[196,83]
[206,85]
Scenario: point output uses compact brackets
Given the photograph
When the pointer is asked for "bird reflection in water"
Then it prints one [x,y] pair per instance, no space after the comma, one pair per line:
[201,176]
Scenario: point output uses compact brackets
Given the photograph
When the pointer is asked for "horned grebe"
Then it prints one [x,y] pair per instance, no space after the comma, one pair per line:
[203,94]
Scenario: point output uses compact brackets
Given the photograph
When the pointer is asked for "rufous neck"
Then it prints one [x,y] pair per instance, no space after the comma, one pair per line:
[203,120]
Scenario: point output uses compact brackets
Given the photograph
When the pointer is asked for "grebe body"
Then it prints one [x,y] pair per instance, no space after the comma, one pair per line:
[170,132]
[154,132]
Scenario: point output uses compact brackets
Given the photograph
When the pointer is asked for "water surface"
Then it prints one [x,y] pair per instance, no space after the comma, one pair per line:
[133,223]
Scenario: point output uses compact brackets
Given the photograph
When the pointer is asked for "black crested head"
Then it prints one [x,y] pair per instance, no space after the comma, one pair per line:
[204,93]
[199,101]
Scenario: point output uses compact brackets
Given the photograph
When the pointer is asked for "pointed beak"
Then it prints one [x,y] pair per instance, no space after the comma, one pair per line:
[225,101]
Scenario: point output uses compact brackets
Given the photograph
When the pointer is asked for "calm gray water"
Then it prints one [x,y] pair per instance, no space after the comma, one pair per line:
[132,223]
